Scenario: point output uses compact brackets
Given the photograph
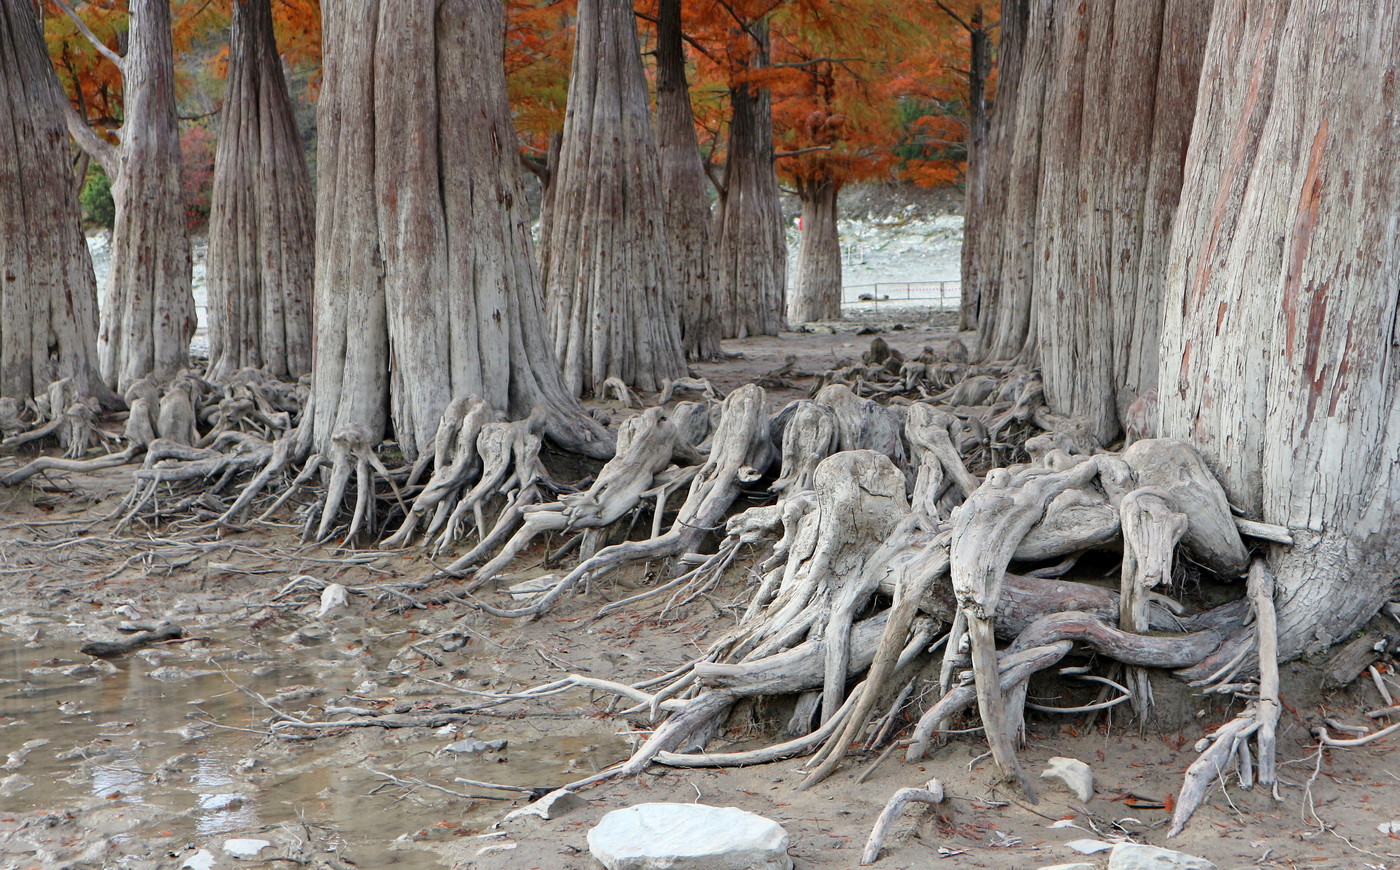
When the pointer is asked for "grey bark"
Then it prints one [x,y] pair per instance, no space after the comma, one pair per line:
[261,222]
[752,249]
[688,217]
[425,286]
[816,291]
[1280,325]
[48,295]
[147,309]
[611,287]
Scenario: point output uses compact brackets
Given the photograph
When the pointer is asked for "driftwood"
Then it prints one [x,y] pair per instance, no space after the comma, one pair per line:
[931,793]
[105,649]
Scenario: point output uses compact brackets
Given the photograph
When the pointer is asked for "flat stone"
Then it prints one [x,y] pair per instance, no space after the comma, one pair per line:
[1073,774]
[1089,847]
[1078,865]
[547,808]
[688,837]
[201,860]
[1133,856]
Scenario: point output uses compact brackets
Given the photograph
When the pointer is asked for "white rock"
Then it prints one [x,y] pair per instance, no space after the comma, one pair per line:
[1089,847]
[1384,827]
[333,598]
[688,837]
[547,808]
[1073,774]
[201,860]
[1132,856]
[245,848]
[14,784]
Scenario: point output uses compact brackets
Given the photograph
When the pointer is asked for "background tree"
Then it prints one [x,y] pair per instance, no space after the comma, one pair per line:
[610,286]
[147,316]
[48,295]
[261,231]
[839,86]
[688,213]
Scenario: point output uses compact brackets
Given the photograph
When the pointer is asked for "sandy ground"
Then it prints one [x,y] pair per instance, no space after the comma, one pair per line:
[167,752]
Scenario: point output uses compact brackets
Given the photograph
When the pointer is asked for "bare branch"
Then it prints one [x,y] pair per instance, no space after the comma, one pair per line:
[781,154]
[92,37]
[104,152]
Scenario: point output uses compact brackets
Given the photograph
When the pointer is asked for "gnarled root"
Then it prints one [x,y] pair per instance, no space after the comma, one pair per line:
[647,444]
[740,451]
[1230,742]
[931,793]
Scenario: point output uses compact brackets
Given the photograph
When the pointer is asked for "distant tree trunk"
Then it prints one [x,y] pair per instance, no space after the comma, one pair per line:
[688,218]
[1282,317]
[752,249]
[261,221]
[816,292]
[147,316]
[1002,250]
[979,71]
[48,295]
[546,171]
[425,286]
[611,287]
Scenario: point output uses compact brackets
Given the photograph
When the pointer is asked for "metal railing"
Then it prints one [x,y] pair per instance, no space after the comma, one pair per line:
[942,295]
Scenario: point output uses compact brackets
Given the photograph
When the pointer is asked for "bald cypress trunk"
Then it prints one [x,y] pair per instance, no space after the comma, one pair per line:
[611,287]
[1278,355]
[752,249]
[48,295]
[426,288]
[261,222]
[816,291]
[688,218]
[147,312]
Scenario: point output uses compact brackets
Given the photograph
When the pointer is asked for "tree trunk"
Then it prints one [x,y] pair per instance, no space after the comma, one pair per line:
[1278,353]
[261,231]
[1078,283]
[816,294]
[611,286]
[425,285]
[148,313]
[48,295]
[752,250]
[686,191]
[979,70]
[1004,239]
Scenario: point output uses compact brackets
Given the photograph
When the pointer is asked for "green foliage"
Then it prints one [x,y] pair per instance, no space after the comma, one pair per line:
[96,197]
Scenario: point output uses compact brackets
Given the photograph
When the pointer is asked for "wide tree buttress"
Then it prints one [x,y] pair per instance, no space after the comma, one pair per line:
[48,295]
[425,284]
[147,316]
[688,216]
[610,285]
[261,222]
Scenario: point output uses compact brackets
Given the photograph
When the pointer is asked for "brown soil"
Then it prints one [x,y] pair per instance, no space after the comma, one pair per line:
[159,747]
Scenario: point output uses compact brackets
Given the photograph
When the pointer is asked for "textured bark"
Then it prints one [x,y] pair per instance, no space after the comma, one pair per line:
[261,221]
[1278,344]
[752,250]
[1087,139]
[981,200]
[425,286]
[611,287]
[1004,241]
[48,295]
[147,317]
[688,217]
[816,292]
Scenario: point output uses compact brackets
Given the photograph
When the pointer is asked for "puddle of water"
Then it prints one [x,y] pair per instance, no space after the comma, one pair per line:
[114,739]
